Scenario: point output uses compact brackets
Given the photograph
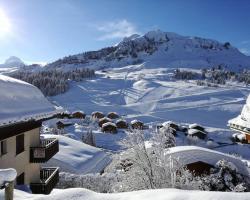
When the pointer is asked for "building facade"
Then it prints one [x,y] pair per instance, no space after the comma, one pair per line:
[241,123]
[24,150]
[23,108]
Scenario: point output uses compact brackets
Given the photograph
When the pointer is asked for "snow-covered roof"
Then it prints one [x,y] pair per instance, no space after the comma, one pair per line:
[108,124]
[244,118]
[194,125]
[136,121]
[65,121]
[112,113]
[167,123]
[241,136]
[77,157]
[78,111]
[95,112]
[121,120]
[105,118]
[20,101]
[191,154]
[194,131]
[7,175]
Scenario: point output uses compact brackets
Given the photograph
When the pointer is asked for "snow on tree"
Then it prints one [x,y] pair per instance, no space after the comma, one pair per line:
[89,138]
[224,177]
[149,166]
[96,182]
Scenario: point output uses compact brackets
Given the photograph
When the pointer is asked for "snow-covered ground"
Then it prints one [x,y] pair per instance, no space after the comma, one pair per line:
[78,158]
[162,194]
[152,96]
[149,94]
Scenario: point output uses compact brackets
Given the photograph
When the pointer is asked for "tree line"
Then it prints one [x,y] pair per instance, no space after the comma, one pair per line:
[53,82]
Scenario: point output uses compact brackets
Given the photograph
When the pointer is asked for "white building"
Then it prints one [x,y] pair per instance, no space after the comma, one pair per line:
[241,123]
[22,110]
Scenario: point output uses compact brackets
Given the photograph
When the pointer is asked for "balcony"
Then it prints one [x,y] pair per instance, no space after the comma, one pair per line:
[49,177]
[47,149]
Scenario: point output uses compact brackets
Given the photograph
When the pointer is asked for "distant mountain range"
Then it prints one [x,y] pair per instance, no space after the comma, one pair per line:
[159,49]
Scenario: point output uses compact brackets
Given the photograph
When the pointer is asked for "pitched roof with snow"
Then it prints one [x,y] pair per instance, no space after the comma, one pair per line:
[20,101]
[167,123]
[244,118]
[195,131]
[121,120]
[136,121]
[108,124]
[192,154]
[193,126]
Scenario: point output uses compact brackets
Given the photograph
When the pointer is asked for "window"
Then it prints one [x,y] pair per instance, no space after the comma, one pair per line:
[19,144]
[3,147]
[20,179]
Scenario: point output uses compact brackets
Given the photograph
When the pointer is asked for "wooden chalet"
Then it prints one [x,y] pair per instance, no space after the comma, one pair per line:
[78,115]
[112,115]
[97,115]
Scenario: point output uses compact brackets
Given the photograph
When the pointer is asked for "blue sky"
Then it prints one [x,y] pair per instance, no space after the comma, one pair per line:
[44,30]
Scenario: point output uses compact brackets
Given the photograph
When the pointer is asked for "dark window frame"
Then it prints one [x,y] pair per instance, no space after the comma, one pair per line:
[19,144]
[3,145]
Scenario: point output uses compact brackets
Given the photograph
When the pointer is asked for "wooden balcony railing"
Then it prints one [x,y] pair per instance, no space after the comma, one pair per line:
[49,177]
[47,149]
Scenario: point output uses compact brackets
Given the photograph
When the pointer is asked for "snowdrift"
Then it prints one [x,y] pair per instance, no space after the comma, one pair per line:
[162,194]
[77,157]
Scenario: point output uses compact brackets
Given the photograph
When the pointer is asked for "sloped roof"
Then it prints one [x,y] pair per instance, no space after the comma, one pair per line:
[192,154]
[20,101]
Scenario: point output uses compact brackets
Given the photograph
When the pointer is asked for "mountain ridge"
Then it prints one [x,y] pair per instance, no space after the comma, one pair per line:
[158,48]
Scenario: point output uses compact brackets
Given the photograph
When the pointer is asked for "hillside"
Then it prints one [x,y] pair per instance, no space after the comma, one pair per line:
[151,95]
[159,49]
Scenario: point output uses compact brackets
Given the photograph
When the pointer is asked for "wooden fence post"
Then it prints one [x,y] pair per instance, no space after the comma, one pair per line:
[9,190]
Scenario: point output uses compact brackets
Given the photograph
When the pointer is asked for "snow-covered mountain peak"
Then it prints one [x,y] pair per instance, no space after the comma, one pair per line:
[157,36]
[132,37]
[13,61]
[159,49]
